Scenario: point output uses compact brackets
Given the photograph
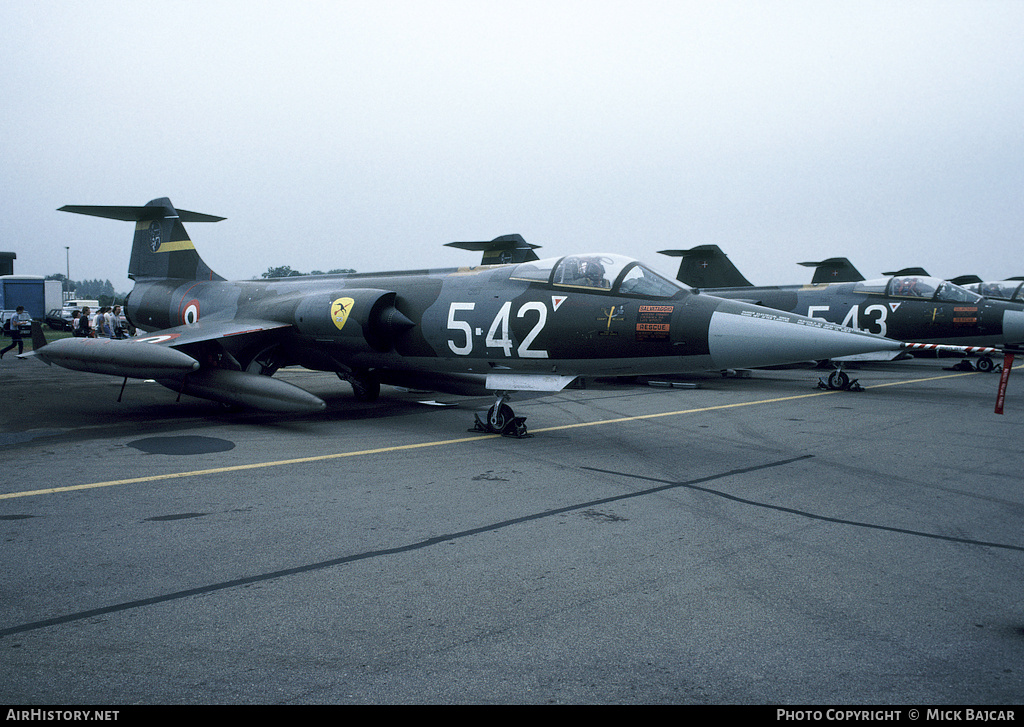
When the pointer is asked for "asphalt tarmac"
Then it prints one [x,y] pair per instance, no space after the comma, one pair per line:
[751,541]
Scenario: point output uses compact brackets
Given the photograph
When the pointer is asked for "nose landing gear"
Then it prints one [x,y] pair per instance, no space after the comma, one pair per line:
[839,380]
[500,419]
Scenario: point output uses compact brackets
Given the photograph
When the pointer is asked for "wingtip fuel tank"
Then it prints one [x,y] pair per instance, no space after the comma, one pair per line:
[125,358]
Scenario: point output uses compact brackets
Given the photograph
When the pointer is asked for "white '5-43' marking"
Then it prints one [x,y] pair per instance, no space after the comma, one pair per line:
[852,317]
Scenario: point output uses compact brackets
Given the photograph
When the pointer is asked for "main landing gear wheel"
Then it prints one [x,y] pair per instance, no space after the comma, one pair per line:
[985,365]
[500,419]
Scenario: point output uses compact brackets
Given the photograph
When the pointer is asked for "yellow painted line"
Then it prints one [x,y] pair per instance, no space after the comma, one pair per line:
[930,378]
[242,467]
[716,407]
[740,404]
[438,443]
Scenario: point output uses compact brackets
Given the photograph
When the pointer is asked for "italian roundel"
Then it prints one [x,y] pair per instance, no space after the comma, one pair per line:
[191,312]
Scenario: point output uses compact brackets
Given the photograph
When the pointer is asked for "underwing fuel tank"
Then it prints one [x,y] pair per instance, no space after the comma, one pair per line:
[248,390]
[125,358]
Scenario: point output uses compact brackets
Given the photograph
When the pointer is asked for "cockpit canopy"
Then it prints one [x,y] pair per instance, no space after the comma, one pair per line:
[599,272]
[918,286]
[1002,289]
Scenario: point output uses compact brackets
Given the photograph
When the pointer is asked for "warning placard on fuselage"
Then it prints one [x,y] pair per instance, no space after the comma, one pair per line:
[653,321]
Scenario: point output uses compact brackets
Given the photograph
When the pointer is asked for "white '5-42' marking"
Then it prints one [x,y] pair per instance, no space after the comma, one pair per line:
[499,335]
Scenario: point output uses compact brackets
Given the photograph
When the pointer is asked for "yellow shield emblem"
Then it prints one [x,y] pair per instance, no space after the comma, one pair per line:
[340,310]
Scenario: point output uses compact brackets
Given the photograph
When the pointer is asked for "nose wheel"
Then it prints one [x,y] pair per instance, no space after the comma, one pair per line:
[501,419]
[839,380]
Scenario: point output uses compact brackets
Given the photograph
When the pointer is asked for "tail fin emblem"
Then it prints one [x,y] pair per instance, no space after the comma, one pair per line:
[154,235]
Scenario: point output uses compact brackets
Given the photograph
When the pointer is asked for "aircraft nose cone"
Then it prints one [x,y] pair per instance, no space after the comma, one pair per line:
[1013,326]
[742,335]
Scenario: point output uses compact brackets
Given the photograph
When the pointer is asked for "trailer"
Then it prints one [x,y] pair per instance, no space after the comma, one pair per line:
[36,294]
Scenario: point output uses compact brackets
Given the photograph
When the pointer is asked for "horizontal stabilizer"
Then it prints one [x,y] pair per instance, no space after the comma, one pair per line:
[965,280]
[502,250]
[834,270]
[138,214]
[908,271]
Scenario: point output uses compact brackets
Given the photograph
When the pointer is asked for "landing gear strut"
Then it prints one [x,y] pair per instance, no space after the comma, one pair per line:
[500,419]
[365,386]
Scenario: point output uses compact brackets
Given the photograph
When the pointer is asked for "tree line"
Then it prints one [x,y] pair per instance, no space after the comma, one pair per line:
[100,290]
[103,290]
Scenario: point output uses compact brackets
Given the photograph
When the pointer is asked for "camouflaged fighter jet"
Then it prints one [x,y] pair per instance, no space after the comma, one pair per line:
[531,326]
[910,306]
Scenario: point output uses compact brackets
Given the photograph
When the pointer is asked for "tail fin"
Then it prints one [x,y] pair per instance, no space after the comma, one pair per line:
[834,270]
[706,266]
[501,250]
[161,248]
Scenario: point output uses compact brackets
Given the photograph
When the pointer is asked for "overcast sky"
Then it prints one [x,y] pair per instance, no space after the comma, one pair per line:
[367,134]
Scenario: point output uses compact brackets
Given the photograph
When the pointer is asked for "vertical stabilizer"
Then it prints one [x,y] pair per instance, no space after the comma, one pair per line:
[161,247]
[706,266]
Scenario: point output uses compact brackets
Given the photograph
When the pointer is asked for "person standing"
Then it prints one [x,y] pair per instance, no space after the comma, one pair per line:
[108,323]
[115,327]
[15,322]
[99,324]
[84,324]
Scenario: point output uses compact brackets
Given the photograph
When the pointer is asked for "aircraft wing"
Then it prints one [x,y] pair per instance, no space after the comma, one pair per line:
[155,355]
[165,356]
[208,330]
